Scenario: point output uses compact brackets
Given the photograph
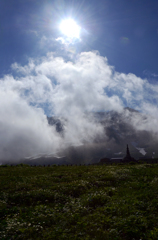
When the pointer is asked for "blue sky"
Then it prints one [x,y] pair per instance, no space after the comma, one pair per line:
[44,71]
[126,32]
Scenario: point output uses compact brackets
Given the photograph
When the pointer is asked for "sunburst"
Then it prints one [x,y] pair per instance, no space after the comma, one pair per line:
[70,28]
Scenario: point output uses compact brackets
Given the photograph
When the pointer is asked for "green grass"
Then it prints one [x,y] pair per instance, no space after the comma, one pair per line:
[79,202]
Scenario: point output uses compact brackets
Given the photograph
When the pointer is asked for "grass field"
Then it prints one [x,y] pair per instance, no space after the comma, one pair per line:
[79,202]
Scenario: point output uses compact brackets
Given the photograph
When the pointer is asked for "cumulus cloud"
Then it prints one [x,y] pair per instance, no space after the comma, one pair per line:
[24,129]
[70,89]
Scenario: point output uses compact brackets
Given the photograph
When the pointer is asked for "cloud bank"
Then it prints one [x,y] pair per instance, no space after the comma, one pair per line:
[68,89]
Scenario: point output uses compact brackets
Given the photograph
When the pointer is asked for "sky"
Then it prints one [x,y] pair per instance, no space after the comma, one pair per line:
[126,32]
[108,62]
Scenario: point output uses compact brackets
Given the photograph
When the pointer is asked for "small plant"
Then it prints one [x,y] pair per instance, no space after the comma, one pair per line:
[79,202]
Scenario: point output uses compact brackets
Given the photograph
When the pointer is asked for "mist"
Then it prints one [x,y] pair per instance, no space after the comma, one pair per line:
[70,90]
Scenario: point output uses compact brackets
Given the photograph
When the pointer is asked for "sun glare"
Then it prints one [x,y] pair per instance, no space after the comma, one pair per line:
[70,28]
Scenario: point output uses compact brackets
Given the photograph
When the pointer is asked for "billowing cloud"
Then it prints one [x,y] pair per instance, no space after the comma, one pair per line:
[69,89]
[23,129]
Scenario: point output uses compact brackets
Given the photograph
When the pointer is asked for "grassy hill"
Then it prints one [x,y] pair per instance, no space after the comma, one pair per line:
[79,202]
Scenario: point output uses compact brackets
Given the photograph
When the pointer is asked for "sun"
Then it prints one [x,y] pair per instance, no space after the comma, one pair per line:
[70,28]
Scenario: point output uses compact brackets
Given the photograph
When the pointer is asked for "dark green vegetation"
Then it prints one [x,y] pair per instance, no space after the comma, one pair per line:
[79,202]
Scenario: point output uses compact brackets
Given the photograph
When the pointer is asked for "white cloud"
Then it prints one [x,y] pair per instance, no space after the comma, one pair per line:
[70,88]
[23,129]
[61,40]
[27,69]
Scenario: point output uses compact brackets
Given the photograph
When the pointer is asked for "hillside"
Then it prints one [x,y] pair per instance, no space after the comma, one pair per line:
[79,202]
[118,130]
[111,132]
